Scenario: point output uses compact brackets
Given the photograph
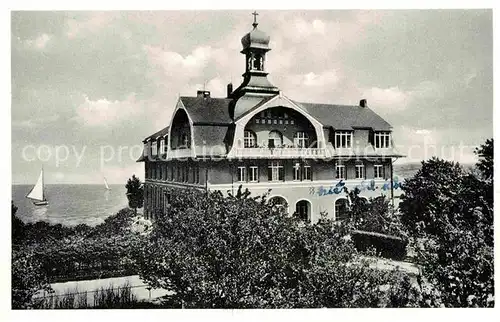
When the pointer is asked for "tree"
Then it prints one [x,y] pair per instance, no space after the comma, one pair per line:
[485,164]
[450,212]
[135,193]
[212,251]
[18,227]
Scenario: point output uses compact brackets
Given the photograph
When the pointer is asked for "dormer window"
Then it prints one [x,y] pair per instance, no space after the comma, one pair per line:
[382,140]
[343,139]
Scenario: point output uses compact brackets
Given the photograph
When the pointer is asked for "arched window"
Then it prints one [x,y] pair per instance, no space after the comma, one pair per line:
[249,139]
[301,140]
[303,210]
[341,208]
[275,139]
[278,203]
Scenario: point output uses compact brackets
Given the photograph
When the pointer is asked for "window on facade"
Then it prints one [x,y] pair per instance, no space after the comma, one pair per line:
[249,139]
[163,171]
[275,139]
[307,172]
[343,139]
[341,209]
[242,174]
[276,171]
[153,170]
[197,173]
[178,177]
[253,174]
[360,171]
[301,140]
[379,171]
[162,146]
[296,171]
[186,173]
[340,171]
[154,150]
[382,140]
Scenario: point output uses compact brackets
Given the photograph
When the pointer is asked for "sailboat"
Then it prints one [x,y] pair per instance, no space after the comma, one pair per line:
[106,184]
[37,194]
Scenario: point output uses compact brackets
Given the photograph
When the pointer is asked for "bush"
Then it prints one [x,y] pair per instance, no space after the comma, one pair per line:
[385,245]
[239,251]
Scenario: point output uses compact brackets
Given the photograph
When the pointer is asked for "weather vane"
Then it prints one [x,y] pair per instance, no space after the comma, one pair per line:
[255,14]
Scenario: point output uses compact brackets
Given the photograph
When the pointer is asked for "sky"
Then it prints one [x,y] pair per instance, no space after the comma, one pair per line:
[88,87]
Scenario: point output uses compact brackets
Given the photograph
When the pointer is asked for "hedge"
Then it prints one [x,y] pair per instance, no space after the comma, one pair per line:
[386,245]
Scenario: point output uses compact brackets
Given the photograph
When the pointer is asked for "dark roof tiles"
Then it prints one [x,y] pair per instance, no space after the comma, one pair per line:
[207,110]
[345,117]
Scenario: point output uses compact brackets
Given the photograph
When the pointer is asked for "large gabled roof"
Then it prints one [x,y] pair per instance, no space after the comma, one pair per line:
[346,117]
[207,110]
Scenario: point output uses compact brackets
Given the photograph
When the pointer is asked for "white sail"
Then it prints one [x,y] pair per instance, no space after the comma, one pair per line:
[106,183]
[37,192]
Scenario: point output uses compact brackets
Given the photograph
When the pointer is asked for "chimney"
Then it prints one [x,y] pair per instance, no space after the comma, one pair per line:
[363,103]
[204,94]
[229,89]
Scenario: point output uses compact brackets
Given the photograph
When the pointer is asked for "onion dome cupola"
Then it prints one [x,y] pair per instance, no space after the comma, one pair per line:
[255,46]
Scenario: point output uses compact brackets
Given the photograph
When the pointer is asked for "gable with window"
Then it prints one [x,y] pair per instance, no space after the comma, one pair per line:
[343,139]
[301,140]
[250,139]
[275,139]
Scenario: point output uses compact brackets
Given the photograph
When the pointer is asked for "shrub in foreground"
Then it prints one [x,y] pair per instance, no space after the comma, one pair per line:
[213,251]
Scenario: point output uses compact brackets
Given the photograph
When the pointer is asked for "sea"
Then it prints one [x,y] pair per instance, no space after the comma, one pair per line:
[71,205]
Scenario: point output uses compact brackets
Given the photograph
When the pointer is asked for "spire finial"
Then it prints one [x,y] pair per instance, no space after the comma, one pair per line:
[255,14]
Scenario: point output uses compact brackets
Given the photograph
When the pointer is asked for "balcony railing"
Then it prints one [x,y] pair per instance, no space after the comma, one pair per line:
[280,152]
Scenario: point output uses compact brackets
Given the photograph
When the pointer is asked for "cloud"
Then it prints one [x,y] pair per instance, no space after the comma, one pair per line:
[38,43]
[35,122]
[104,112]
[391,97]
[175,65]
[396,99]
[118,74]
[89,23]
